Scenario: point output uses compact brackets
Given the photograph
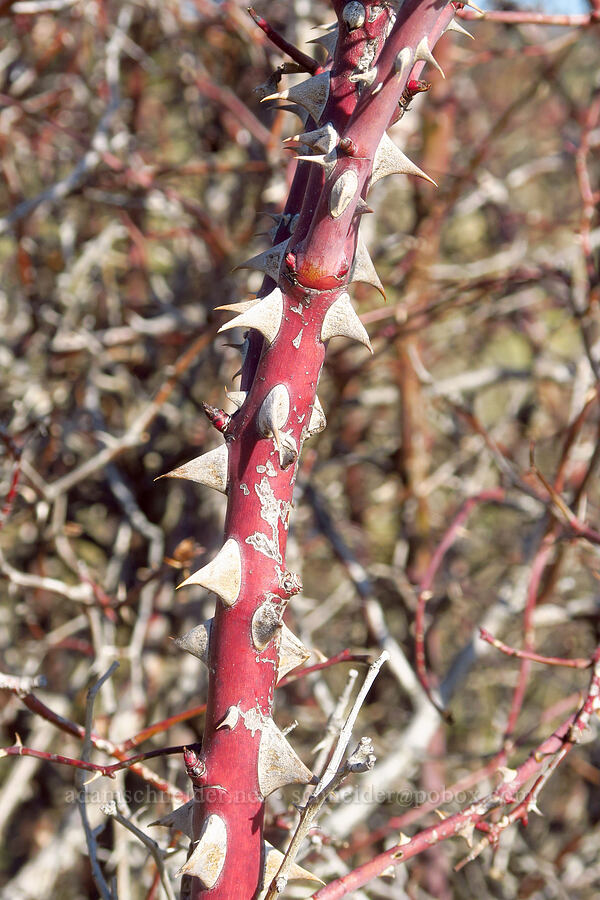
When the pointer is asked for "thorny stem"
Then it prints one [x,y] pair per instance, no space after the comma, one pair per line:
[303,304]
[243,757]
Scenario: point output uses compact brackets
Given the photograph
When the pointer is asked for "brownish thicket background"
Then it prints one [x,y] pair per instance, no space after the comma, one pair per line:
[136,169]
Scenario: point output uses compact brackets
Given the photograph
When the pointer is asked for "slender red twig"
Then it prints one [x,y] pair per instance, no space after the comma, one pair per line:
[495,495]
[35,705]
[306,63]
[108,771]
[534,657]
[537,570]
[545,758]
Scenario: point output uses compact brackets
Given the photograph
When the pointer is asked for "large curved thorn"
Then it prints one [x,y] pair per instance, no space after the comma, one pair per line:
[423,52]
[292,652]
[269,261]
[311,94]
[456,26]
[241,307]
[180,819]
[223,575]
[324,139]
[389,160]
[328,40]
[210,469]
[341,320]
[265,316]
[207,861]
[273,860]
[278,762]
[363,269]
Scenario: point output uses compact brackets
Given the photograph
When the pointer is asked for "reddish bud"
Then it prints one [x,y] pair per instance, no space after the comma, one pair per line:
[348,146]
[194,766]
[417,87]
[217,417]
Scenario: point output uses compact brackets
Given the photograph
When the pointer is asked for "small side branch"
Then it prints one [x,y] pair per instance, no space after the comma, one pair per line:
[307,63]
[361,760]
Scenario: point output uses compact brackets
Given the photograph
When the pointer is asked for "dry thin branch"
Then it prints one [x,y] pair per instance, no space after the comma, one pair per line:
[361,760]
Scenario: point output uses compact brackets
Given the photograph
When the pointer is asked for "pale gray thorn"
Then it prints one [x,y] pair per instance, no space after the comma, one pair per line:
[311,94]
[278,762]
[292,652]
[363,269]
[274,411]
[324,139]
[362,207]
[288,450]
[327,160]
[238,398]
[207,861]
[317,422]
[180,819]
[240,307]
[196,641]
[210,469]
[223,575]
[456,26]
[423,52]
[273,860]
[342,193]
[265,316]
[328,41]
[230,719]
[341,320]
[404,62]
[269,261]
[389,160]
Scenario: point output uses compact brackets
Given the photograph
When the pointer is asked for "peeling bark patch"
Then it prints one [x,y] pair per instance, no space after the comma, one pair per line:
[244,489]
[368,55]
[285,511]
[270,512]
[253,720]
